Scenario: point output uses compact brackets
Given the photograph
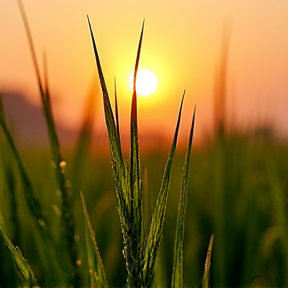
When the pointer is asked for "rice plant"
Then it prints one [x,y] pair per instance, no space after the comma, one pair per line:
[140,243]
[140,248]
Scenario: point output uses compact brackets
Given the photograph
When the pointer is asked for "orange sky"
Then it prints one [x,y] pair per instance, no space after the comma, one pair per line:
[181,45]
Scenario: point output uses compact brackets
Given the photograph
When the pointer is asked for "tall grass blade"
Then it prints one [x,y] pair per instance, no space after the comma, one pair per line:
[177,275]
[20,263]
[96,270]
[118,164]
[133,241]
[116,112]
[156,228]
[59,164]
[205,280]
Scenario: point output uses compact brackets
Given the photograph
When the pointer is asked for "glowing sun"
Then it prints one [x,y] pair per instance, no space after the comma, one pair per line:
[146,82]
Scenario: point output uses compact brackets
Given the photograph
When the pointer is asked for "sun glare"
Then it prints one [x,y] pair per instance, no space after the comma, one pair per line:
[146,82]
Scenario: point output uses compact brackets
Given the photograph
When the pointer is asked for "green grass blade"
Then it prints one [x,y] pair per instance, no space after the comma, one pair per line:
[96,270]
[134,239]
[119,168]
[20,263]
[135,171]
[177,275]
[205,280]
[59,164]
[156,227]
[116,112]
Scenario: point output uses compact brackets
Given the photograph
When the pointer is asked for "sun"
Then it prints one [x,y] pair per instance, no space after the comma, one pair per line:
[146,82]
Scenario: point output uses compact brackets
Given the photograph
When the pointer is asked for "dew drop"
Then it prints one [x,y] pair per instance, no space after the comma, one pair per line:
[42,223]
[56,210]
[62,165]
[78,262]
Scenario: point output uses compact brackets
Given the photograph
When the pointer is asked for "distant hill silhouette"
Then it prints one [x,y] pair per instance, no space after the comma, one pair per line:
[27,122]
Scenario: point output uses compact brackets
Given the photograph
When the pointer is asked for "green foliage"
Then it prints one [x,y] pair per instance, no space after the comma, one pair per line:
[239,195]
[34,205]
[140,248]
[205,280]
[177,275]
[20,263]
[96,270]
[58,163]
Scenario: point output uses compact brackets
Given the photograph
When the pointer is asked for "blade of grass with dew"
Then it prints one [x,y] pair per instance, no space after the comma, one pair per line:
[156,227]
[205,280]
[123,191]
[177,275]
[20,263]
[118,164]
[59,164]
[96,269]
[35,207]
[116,113]
[133,237]
[147,203]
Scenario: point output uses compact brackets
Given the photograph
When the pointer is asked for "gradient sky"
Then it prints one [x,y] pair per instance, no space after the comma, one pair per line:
[182,45]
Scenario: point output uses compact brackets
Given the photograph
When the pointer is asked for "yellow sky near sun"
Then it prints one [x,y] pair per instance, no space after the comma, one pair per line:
[181,46]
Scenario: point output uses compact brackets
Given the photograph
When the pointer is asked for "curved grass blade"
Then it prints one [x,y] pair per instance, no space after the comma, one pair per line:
[205,280]
[177,275]
[156,227]
[96,270]
[20,263]
[59,164]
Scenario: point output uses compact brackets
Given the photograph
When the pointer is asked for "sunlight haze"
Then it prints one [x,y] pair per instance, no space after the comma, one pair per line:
[181,45]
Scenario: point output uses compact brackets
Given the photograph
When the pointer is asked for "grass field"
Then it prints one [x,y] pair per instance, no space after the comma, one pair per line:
[50,205]
[237,191]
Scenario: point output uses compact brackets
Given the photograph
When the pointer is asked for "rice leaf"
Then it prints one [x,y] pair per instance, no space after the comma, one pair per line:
[20,263]
[177,275]
[118,164]
[96,270]
[116,112]
[156,227]
[59,164]
[133,240]
[205,280]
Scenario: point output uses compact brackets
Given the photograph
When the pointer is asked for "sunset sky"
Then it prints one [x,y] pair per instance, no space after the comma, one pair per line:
[181,45]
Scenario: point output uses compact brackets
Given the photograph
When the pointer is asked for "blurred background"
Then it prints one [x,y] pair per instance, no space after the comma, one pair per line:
[231,57]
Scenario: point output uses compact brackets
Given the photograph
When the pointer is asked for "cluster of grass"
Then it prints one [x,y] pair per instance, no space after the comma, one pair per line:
[239,187]
[59,258]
